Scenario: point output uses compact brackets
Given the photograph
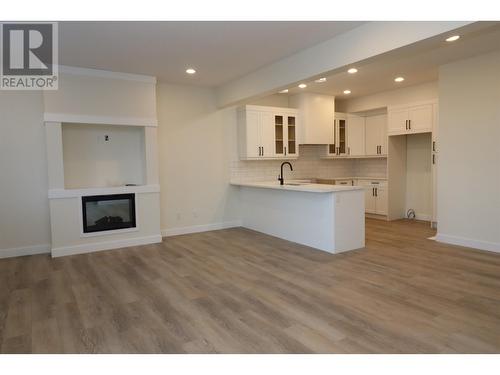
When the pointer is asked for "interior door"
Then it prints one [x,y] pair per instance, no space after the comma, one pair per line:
[267,134]
[356,136]
[253,136]
[421,118]
[398,120]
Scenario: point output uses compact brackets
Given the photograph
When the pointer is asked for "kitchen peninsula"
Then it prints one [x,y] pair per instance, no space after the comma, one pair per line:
[326,217]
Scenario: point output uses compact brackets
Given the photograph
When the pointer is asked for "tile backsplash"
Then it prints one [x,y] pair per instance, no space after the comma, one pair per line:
[308,165]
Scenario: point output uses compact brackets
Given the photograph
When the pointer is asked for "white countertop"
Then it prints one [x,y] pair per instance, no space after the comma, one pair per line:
[298,186]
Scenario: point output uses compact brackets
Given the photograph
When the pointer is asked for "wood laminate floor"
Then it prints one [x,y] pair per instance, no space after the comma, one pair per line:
[239,291]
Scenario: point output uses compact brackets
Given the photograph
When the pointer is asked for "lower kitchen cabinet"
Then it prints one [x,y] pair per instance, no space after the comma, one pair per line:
[375,196]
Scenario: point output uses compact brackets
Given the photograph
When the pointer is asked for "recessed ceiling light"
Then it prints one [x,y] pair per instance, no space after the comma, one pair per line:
[352,71]
[320,80]
[399,79]
[283,91]
[302,86]
[453,38]
[190,71]
[347,92]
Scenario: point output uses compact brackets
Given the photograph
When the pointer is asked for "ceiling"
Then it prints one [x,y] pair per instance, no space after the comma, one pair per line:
[417,63]
[219,51]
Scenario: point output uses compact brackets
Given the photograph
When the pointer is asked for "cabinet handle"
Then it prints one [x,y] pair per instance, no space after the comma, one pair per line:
[409,124]
[262,150]
[406,124]
[376,192]
[373,192]
[433,158]
[285,150]
[433,145]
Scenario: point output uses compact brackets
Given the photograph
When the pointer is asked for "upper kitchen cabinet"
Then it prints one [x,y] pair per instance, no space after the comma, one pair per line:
[409,119]
[267,133]
[316,117]
[337,145]
[355,135]
[376,135]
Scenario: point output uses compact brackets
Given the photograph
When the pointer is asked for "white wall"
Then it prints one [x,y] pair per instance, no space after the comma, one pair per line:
[469,152]
[425,91]
[97,93]
[196,144]
[90,161]
[24,207]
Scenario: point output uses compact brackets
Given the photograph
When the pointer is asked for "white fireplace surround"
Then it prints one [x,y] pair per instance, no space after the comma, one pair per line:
[90,98]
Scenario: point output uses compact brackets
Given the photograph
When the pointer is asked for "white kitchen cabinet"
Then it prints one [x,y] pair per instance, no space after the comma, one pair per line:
[316,117]
[376,135]
[375,196]
[413,118]
[355,135]
[267,133]
[348,136]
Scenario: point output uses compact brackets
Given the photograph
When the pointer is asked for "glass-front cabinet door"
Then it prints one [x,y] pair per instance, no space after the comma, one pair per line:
[332,147]
[291,144]
[279,136]
[342,137]
[338,147]
[285,135]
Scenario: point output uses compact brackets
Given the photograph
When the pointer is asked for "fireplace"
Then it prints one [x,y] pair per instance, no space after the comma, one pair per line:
[108,212]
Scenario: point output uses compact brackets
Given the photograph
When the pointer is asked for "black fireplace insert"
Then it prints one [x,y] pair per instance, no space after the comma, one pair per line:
[108,212]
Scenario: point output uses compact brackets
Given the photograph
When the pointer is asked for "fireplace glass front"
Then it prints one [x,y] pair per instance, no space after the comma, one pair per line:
[108,212]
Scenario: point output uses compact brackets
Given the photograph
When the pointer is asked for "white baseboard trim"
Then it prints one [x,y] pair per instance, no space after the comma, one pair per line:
[108,245]
[23,251]
[468,242]
[423,217]
[200,228]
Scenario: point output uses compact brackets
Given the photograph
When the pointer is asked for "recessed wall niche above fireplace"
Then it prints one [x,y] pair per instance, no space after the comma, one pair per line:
[108,212]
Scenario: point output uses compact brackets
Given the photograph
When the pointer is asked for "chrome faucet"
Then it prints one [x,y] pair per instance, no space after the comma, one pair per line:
[281,179]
